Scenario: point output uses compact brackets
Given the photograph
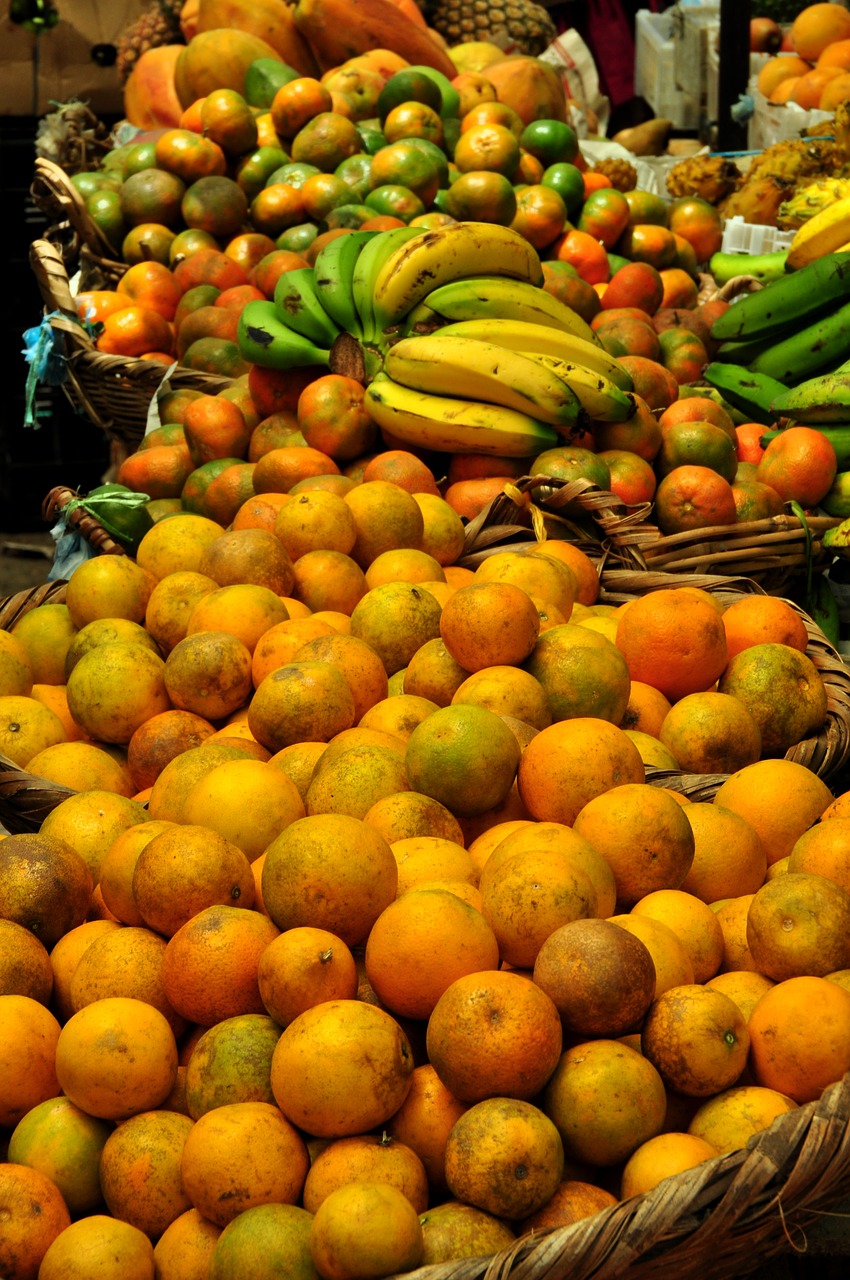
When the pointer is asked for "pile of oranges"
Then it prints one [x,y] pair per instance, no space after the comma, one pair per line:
[360,908]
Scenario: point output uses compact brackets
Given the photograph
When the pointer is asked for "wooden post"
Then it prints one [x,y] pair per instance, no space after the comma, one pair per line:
[734,72]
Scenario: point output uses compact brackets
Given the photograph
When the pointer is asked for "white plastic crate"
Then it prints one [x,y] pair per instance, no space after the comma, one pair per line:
[655,75]
[744,237]
[692,24]
[777,121]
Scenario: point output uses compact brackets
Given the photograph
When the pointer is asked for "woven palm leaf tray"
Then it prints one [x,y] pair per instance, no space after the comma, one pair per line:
[725,1217]
[114,392]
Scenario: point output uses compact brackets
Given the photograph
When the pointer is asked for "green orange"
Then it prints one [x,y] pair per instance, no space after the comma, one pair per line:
[481,196]
[568,181]
[551,141]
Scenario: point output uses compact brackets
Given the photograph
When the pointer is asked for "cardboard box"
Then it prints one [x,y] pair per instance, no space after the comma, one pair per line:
[66,62]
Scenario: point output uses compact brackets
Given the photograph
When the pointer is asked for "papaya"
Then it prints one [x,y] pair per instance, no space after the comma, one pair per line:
[271,20]
[150,98]
[337,30]
[533,88]
[217,59]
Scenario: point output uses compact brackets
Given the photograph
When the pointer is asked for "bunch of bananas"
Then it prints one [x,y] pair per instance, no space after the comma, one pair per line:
[462,349]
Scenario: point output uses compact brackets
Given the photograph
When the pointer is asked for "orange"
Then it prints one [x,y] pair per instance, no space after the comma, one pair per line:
[171,604]
[328,580]
[365,1229]
[711,733]
[34,1215]
[351,781]
[230,1062]
[63,1143]
[117,866]
[582,671]
[31,1034]
[508,691]
[90,822]
[395,618]
[25,968]
[304,967]
[578,1100]
[16,671]
[729,1120]
[185,869]
[98,1245]
[301,701]
[329,871]
[601,978]
[209,674]
[729,857]
[159,739]
[780,798]
[432,673]
[697,1039]
[398,714]
[763,620]
[280,642]
[420,944]
[386,516]
[126,962]
[186,1246]
[799,464]
[584,252]
[797,926]
[358,662]
[425,859]
[570,762]
[45,635]
[494,1137]
[670,956]
[822,850]
[662,1157]
[403,814]
[259,511]
[645,710]
[64,957]
[694,497]
[45,885]
[425,1119]
[108,587]
[243,556]
[241,1155]
[210,965]
[744,986]
[140,1170]
[113,689]
[488,624]
[366,1158]
[81,765]
[572,1201]
[465,757]
[732,916]
[168,793]
[800,1037]
[783,691]
[643,834]
[816,27]
[693,922]
[530,894]
[177,544]
[545,577]
[27,727]
[116,1057]
[246,804]
[363,1090]
[673,641]
[494,1034]
[134,332]
[587,577]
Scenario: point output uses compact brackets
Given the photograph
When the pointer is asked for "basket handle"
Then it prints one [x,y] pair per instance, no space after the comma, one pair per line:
[54,193]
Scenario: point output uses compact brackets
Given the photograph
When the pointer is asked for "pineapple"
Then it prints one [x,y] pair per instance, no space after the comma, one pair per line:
[522,23]
[160,24]
[620,173]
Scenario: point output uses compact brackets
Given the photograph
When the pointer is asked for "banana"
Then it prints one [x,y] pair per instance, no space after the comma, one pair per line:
[838,437]
[299,306]
[449,425]
[822,234]
[787,302]
[744,350]
[541,339]
[477,297]
[264,339]
[764,266]
[474,370]
[460,249]
[837,501]
[334,269]
[598,396]
[372,257]
[751,393]
[817,346]
[821,399]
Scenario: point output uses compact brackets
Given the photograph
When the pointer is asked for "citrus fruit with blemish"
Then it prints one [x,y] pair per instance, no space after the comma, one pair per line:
[366,1158]
[729,857]
[125,962]
[184,869]
[530,895]
[303,967]
[209,674]
[697,1039]
[729,1120]
[601,978]
[46,885]
[796,926]
[231,1062]
[782,689]
[570,762]
[693,922]
[583,673]
[177,544]
[34,1215]
[108,587]
[210,965]
[466,757]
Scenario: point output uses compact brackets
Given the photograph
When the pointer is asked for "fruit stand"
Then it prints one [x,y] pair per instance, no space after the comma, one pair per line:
[425,772]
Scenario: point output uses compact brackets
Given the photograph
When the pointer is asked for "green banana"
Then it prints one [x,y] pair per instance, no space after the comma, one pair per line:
[838,437]
[818,345]
[751,393]
[479,297]
[264,339]
[299,307]
[788,302]
[541,339]
[372,257]
[448,425]
[334,269]
[744,350]
[474,370]
[825,398]
[599,397]
[460,249]
[764,266]
[837,501]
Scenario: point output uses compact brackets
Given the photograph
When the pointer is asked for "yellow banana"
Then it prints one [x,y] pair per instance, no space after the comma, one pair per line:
[499,297]
[540,339]
[600,399]
[448,425]
[446,253]
[825,233]
[450,366]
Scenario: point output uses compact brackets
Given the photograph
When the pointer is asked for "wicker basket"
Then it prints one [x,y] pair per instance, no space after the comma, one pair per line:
[624,543]
[72,229]
[727,1216]
[115,392]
